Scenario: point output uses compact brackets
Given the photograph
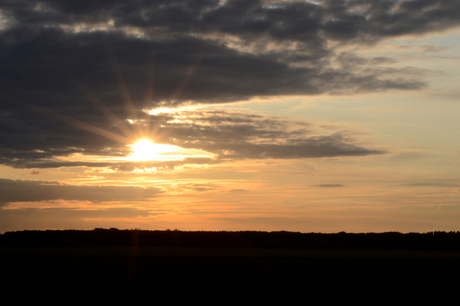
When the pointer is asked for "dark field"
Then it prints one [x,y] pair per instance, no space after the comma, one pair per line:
[109,270]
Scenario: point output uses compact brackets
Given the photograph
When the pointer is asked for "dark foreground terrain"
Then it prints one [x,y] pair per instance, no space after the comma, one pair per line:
[136,267]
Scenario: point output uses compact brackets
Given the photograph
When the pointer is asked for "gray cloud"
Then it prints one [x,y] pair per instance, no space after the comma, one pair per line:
[450,183]
[239,190]
[229,135]
[329,185]
[241,136]
[431,48]
[62,56]
[22,191]
[198,187]
[122,166]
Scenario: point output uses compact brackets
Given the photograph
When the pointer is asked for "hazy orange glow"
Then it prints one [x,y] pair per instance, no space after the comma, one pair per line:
[128,125]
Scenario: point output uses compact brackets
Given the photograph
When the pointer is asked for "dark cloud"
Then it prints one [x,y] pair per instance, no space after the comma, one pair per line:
[241,136]
[228,135]
[74,59]
[25,191]
[114,165]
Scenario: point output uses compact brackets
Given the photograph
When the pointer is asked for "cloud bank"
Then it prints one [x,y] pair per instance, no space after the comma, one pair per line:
[80,59]
[229,135]
[31,191]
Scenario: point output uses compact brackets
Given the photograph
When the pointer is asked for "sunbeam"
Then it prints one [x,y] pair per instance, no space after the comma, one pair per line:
[136,132]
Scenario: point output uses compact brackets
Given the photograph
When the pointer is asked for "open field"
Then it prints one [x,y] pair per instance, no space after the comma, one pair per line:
[130,273]
[223,252]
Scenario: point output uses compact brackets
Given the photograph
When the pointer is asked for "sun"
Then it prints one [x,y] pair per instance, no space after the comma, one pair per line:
[146,150]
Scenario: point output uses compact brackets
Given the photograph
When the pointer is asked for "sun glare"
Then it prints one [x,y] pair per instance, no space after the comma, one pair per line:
[146,150]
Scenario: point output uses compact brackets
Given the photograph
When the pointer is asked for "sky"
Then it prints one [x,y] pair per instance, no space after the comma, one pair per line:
[309,116]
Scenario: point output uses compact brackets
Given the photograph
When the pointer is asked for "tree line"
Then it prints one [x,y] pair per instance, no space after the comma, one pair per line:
[439,240]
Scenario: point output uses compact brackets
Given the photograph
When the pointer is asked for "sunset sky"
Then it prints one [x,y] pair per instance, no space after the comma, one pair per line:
[310,116]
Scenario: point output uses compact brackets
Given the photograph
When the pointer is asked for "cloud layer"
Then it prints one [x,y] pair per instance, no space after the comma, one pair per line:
[229,135]
[241,136]
[31,191]
[78,58]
